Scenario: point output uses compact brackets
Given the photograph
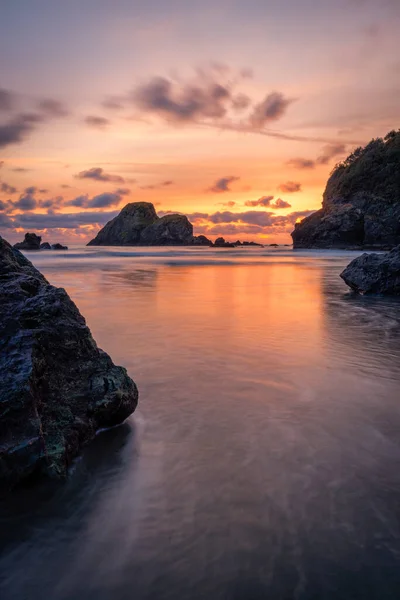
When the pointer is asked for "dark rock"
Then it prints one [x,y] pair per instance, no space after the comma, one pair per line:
[220,242]
[374,273]
[274,245]
[170,230]
[58,247]
[138,225]
[201,240]
[56,386]
[361,202]
[31,242]
[45,246]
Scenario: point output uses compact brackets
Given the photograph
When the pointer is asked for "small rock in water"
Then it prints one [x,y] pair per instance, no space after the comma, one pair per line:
[58,247]
[374,273]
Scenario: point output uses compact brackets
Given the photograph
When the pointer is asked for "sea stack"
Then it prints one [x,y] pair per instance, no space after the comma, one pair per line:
[56,386]
[361,202]
[138,225]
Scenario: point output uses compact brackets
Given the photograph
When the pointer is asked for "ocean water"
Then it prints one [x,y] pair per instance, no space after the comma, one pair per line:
[263,461]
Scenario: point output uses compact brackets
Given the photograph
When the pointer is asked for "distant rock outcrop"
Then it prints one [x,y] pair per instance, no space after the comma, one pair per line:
[31,242]
[361,202]
[138,225]
[56,386]
[58,247]
[374,273]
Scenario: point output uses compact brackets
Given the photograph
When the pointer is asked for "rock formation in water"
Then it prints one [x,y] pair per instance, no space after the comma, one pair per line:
[374,273]
[31,242]
[56,386]
[361,202]
[138,225]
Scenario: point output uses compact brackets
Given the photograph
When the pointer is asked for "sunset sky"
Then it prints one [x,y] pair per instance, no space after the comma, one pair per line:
[232,112]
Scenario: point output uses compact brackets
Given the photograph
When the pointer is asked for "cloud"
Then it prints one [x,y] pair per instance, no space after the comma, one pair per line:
[290,187]
[7,100]
[329,152]
[264,201]
[183,102]
[3,206]
[52,108]
[252,221]
[301,163]
[8,189]
[21,170]
[272,108]
[18,128]
[113,103]
[6,222]
[210,98]
[229,204]
[1,163]
[97,122]
[61,221]
[156,186]
[123,191]
[99,174]
[279,203]
[223,184]
[99,201]
[65,186]
[253,217]
[25,202]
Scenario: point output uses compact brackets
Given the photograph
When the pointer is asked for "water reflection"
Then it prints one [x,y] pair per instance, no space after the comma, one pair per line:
[265,457]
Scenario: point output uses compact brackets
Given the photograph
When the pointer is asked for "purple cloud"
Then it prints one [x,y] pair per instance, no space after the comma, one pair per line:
[272,108]
[290,187]
[97,122]
[98,174]
[264,201]
[223,184]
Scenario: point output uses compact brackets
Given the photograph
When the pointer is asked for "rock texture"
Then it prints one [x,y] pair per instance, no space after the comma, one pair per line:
[361,202]
[56,386]
[374,273]
[138,225]
[31,242]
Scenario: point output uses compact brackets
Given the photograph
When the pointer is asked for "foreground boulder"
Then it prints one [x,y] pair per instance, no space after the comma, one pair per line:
[374,273]
[361,202]
[56,386]
[139,225]
[31,242]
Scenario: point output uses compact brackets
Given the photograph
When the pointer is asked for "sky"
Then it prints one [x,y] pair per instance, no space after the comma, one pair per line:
[232,112]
